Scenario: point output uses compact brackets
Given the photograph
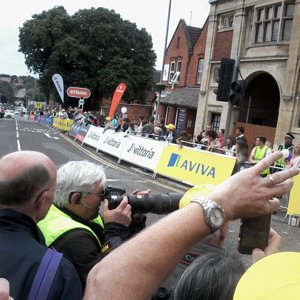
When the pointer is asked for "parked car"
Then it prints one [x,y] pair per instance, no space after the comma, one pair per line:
[10,114]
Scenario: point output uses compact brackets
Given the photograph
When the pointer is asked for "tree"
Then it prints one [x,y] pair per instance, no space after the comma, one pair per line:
[95,48]
[6,92]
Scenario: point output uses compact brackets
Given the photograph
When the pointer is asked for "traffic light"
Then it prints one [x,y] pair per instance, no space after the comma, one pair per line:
[225,79]
[237,92]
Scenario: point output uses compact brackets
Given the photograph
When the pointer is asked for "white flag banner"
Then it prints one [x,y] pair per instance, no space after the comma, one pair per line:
[59,84]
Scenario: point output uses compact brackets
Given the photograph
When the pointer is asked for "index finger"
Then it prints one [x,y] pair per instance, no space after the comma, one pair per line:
[267,162]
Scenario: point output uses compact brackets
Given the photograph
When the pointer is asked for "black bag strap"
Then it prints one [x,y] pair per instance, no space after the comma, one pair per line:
[45,274]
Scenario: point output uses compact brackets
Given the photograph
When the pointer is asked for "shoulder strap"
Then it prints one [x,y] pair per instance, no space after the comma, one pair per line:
[45,274]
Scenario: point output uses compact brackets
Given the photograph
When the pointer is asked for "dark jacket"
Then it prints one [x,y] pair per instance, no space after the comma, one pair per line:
[21,251]
[81,247]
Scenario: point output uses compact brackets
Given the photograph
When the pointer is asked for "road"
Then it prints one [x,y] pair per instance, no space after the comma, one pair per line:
[22,134]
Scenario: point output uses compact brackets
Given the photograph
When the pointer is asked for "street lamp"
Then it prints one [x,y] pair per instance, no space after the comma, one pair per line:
[163,61]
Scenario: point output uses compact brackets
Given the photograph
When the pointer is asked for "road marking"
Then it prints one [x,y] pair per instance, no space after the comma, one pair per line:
[51,137]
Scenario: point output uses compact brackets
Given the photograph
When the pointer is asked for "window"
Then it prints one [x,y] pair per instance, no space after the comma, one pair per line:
[200,70]
[215,121]
[174,74]
[273,24]
[172,70]
[226,21]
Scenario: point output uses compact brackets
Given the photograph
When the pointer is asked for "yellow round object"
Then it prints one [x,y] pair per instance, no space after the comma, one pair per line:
[275,277]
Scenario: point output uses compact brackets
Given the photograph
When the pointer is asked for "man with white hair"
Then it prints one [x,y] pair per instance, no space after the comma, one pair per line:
[73,225]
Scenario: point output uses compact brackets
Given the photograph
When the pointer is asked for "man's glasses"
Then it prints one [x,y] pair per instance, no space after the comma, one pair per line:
[101,196]
[56,188]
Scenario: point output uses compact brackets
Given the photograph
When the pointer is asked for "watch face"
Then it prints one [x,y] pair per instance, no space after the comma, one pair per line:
[216,216]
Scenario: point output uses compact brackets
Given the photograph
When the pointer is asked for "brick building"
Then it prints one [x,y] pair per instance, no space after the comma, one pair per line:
[183,68]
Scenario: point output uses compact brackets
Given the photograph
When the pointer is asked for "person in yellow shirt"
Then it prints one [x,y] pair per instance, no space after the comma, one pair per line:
[259,152]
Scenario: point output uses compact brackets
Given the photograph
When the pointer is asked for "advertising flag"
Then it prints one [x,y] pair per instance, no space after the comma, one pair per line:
[59,84]
[119,91]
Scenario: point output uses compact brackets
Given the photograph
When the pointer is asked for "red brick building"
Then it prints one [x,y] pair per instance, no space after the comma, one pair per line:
[182,74]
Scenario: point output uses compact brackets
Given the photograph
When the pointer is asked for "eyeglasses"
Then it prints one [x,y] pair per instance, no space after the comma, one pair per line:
[101,196]
[56,188]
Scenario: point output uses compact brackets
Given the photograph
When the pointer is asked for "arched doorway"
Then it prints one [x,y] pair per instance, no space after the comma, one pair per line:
[261,101]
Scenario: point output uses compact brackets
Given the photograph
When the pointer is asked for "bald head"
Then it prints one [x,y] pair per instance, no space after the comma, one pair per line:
[12,164]
[23,174]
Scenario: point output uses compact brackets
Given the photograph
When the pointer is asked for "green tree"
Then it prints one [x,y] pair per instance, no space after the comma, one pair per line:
[95,48]
[6,93]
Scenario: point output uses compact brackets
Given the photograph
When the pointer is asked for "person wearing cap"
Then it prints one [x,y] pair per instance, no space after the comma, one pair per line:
[111,123]
[171,134]
[155,251]
[288,144]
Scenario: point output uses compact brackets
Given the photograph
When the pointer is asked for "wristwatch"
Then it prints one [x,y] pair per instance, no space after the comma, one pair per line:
[213,212]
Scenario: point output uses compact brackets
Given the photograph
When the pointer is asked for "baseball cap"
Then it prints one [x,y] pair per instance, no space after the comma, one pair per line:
[108,118]
[170,126]
[289,136]
[274,277]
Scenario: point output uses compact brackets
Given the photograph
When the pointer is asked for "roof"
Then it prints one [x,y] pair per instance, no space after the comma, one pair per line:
[186,97]
[194,33]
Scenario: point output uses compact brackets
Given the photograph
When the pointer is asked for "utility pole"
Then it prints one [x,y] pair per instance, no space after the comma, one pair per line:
[163,61]
[230,105]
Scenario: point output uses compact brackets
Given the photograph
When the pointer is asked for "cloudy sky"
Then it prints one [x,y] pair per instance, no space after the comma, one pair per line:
[151,15]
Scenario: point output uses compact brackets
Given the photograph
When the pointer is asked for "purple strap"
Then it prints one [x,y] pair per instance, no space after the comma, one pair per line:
[45,274]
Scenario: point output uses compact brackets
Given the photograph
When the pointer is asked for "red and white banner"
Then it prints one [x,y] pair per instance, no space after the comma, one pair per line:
[119,91]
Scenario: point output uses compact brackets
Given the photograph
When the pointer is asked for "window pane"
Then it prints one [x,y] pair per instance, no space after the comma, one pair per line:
[277,11]
[268,13]
[275,31]
[259,14]
[286,30]
[258,33]
[267,31]
[289,10]
[199,71]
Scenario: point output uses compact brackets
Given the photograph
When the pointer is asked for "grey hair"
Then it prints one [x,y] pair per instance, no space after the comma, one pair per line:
[77,176]
[212,276]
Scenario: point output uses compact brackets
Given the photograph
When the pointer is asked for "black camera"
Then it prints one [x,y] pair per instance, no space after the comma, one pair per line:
[156,204]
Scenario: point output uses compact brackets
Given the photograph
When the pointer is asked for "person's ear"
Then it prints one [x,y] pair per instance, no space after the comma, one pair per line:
[39,202]
[75,197]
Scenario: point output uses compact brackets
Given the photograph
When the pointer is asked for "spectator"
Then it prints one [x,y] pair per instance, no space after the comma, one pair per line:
[213,141]
[212,276]
[171,134]
[131,128]
[184,139]
[288,144]
[73,225]
[259,152]
[157,134]
[241,149]
[229,147]
[27,185]
[245,194]
[148,128]
[111,123]
[221,137]
[295,157]
[239,134]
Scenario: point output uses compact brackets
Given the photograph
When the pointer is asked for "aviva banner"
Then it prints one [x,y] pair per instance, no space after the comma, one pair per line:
[294,203]
[194,166]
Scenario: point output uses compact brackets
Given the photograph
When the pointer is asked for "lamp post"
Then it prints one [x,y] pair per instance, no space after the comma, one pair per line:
[163,60]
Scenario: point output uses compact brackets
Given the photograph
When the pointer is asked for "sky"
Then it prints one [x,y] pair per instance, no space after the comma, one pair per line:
[151,15]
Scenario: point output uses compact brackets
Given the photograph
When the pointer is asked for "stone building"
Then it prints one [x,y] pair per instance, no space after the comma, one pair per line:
[264,37]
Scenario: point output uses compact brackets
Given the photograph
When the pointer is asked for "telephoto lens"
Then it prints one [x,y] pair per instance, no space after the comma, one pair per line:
[156,204]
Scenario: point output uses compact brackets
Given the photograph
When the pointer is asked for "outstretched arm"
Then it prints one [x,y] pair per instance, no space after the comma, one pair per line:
[136,268]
